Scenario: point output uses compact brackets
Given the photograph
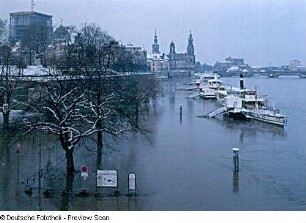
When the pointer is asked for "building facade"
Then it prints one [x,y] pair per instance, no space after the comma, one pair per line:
[231,66]
[20,22]
[173,61]
[182,61]
[138,57]
[157,62]
[294,65]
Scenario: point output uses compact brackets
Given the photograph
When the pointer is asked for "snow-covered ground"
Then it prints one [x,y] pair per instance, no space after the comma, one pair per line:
[31,71]
[16,115]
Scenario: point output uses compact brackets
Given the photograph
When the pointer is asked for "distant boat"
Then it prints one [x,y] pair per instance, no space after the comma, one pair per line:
[273,75]
[209,86]
[202,78]
[207,93]
[271,116]
[236,109]
[302,75]
[242,104]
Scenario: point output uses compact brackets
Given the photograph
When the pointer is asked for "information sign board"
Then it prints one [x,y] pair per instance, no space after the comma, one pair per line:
[107,178]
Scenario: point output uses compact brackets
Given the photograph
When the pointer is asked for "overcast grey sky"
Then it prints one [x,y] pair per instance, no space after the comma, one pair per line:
[264,32]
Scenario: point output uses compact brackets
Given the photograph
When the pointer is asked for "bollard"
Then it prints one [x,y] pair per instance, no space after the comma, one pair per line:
[236,159]
[132,184]
[181,112]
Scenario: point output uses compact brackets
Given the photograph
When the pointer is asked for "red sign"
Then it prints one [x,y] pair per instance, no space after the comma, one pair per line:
[84,169]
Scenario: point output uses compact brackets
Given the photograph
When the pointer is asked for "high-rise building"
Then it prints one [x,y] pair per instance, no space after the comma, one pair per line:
[21,22]
[294,64]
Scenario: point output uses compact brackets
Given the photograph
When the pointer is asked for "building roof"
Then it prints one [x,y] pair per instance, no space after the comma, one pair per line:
[156,56]
[30,13]
[233,69]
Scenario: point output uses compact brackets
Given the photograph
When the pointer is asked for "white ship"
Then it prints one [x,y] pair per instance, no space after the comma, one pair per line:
[209,86]
[233,107]
[271,116]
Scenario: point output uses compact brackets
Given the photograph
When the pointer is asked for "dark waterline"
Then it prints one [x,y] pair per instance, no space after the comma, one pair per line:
[180,164]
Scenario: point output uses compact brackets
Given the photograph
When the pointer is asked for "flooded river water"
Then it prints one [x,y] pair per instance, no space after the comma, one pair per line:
[180,164]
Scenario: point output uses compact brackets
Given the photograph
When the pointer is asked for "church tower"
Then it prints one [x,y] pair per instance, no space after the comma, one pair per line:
[155,46]
[172,48]
[172,57]
[190,46]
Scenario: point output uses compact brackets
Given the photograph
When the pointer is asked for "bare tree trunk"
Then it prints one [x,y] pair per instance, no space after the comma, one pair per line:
[69,154]
[67,192]
[6,121]
[137,114]
[64,203]
[69,183]
[70,162]
[99,135]
[30,54]
[99,147]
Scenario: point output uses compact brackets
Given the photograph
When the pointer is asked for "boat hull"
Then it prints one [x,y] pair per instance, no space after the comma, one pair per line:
[280,122]
[208,93]
[238,116]
[208,96]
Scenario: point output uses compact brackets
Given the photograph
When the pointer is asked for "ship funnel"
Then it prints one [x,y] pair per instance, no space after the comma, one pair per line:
[241,82]
[215,75]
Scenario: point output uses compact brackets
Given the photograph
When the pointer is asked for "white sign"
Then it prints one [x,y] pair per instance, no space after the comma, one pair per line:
[107,178]
[132,181]
[84,174]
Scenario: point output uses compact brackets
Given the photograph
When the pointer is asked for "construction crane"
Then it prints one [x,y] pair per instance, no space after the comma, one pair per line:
[32,5]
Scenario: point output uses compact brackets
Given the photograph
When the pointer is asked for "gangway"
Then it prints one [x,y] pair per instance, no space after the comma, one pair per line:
[216,112]
[193,96]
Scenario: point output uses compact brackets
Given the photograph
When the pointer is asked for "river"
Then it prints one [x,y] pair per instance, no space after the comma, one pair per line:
[182,164]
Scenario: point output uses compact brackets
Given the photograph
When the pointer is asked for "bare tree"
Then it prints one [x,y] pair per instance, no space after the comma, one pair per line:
[8,85]
[63,110]
[93,57]
[138,91]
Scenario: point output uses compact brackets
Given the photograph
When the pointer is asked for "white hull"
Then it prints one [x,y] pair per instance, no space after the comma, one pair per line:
[208,96]
[267,116]
[208,93]
[268,121]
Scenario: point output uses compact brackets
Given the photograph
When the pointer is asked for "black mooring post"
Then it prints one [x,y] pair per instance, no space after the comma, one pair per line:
[235,159]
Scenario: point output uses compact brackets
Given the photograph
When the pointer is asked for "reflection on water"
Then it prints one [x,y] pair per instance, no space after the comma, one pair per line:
[235,181]
[64,203]
[180,165]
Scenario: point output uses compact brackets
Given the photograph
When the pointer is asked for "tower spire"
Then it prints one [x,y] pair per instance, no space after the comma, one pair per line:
[190,46]
[155,46]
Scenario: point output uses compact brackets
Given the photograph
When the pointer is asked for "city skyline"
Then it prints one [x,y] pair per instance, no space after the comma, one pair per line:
[262,32]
